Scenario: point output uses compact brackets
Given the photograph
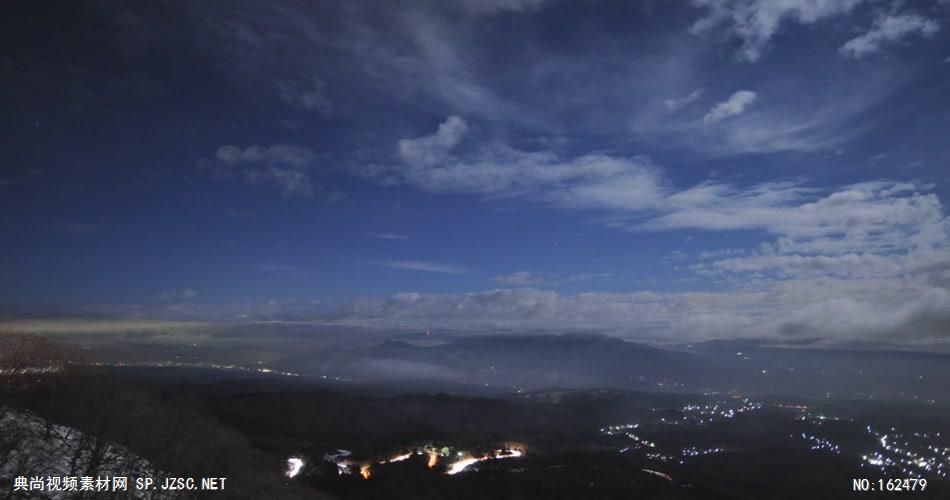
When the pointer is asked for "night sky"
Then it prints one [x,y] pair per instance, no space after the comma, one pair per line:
[660,171]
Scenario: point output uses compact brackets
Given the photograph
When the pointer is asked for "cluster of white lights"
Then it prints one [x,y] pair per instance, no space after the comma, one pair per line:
[821,444]
[913,454]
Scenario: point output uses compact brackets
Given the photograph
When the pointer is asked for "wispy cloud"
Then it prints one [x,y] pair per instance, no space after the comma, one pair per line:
[755,22]
[485,7]
[889,29]
[388,236]
[640,196]
[838,309]
[282,166]
[515,278]
[73,228]
[497,170]
[420,265]
[241,213]
[307,93]
[433,149]
[529,278]
[676,103]
[735,105]
[183,294]
[278,267]
[864,236]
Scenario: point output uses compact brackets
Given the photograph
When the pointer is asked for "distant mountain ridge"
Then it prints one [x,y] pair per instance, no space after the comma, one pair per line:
[570,360]
[752,365]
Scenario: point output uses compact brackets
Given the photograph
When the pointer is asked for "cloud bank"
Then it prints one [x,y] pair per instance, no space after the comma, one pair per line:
[869,260]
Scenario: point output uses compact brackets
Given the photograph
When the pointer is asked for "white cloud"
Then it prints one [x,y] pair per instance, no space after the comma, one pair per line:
[282,154]
[496,170]
[872,251]
[836,308]
[848,265]
[515,278]
[184,294]
[419,265]
[923,315]
[496,6]
[735,105]
[282,166]
[433,149]
[872,210]
[842,310]
[755,22]
[639,197]
[528,278]
[889,29]
[677,103]
[388,236]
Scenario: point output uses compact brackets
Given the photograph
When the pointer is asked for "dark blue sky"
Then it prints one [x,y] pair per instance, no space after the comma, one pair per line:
[658,170]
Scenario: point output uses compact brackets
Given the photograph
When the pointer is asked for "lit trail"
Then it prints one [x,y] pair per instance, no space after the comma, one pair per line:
[397,458]
[459,466]
[659,474]
[462,464]
[294,465]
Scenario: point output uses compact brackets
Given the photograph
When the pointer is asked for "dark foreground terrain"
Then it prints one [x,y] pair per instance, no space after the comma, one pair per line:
[280,437]
[596,443]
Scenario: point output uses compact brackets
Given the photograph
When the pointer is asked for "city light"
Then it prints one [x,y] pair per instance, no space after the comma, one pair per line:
[294,465]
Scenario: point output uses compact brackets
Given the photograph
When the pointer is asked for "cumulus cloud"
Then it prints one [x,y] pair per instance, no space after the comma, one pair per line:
[755,22]
[868,261]
[889,29]
[282,166]
[735,105]
[677,103]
